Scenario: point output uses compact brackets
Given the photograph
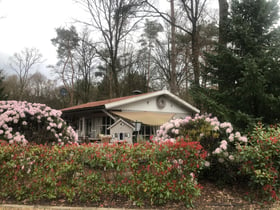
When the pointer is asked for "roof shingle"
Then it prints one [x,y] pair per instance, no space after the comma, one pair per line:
[99,103]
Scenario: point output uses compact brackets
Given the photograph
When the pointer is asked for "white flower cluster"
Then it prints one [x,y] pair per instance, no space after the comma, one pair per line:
[15,117]
[173,126]
[225,130]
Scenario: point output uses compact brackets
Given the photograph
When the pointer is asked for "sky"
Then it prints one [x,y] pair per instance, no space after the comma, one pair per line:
[32,23]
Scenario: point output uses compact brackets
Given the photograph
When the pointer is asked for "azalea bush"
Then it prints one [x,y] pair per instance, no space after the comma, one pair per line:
[260,162]
[23,122]
[142,173]
[217,138]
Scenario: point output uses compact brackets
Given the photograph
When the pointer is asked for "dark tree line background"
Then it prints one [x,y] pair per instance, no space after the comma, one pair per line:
[225,62]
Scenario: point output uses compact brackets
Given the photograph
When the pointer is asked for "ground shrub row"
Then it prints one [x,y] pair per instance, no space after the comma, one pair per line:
[151,172]
[169,169]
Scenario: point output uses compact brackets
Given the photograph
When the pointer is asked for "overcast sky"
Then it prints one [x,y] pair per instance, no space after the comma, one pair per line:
[32,23]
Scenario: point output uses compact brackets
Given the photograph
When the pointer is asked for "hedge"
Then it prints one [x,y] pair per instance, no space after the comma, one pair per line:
[150,172]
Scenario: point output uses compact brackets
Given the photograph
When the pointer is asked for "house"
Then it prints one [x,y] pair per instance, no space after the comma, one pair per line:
[121,131]
[127,118]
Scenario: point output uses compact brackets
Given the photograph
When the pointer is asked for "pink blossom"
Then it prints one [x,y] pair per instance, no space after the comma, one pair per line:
[177,123]
[207,163]
[192,176]
[237,135]
[231,157]
[59,126]
[217,151]
[229,130]
[9,136]
[216,128]
[243,139]
[223,145]
[231,137]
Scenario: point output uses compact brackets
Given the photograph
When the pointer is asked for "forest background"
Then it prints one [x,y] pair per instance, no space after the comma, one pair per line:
[225,61]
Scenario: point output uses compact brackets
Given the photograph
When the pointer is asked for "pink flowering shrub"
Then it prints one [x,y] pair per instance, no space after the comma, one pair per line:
[23,122]
[217,138]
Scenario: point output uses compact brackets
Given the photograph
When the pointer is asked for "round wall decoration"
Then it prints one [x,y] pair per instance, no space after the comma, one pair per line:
[161,102]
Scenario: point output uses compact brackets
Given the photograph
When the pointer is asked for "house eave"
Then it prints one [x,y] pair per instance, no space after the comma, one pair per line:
[114,105]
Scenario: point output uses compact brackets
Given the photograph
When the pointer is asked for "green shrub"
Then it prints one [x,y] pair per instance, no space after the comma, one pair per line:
[217,138]
[260,162]
[153,173]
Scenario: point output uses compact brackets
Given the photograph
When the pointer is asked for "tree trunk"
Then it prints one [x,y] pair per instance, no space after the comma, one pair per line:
[223,15]
[195,55]
[173,49]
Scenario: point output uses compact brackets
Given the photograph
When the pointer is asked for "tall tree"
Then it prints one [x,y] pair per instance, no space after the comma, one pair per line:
[148,41]
[223,20]
[23,63]
[3,95]
[85,57]
[114,19]
[244,73]
[192,11]
[173,48]
[11,85]
[67,41]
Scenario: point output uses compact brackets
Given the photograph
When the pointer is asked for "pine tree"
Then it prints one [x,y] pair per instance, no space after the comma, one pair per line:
[245,73]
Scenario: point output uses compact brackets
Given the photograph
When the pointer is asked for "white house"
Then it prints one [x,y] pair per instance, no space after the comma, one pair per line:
[121,131]
[118,117]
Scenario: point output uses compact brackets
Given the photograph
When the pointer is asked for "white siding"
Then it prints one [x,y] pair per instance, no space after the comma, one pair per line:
[121,129]
[151,105]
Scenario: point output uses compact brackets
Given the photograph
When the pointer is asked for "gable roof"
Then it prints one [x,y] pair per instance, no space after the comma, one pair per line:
[95,104]
[116,102]
[119,121]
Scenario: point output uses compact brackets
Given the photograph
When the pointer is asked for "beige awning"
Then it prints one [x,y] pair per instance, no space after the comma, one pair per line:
[148,118]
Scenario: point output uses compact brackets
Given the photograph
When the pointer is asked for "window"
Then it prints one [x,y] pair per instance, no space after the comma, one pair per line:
[81,125]
[121,136]
[106,123]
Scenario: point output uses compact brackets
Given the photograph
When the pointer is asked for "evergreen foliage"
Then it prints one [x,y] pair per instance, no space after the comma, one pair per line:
[243,76]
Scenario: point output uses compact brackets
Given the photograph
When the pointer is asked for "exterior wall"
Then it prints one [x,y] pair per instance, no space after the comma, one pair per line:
[121,129]
[92,124]
[151,105]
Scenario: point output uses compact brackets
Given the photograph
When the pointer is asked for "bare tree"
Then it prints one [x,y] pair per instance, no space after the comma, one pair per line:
[37,83]
[84,58]
[192,10]
[11,85]
[114,19]
[173,48]
[22,63]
